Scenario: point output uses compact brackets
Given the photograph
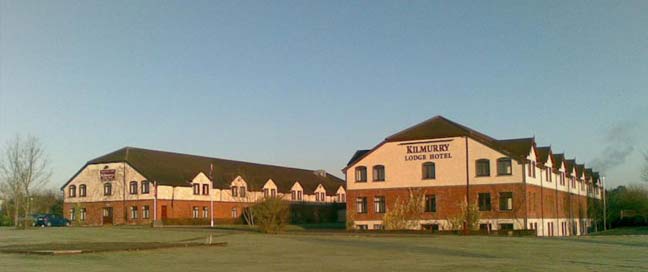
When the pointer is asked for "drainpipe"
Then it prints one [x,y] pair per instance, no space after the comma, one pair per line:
[124,193]
[556,198]
[526,200]
[542,203]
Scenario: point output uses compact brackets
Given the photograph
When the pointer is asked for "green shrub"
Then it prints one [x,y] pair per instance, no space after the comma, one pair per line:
[271,215]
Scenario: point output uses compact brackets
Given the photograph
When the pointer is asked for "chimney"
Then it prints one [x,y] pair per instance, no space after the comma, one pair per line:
[320,172]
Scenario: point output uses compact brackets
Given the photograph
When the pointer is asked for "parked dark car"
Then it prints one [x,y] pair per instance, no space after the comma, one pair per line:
[50,220]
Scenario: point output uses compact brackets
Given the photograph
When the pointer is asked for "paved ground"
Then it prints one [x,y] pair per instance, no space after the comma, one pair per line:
[248,251]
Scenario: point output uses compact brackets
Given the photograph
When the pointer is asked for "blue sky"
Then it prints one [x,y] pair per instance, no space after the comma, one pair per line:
[305,83]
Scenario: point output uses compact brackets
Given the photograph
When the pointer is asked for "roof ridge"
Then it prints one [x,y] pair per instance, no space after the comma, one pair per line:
[127,148]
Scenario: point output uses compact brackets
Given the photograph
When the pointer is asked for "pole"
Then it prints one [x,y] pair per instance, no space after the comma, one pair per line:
[211,196]
[604,204]
[467,189]
[155,203]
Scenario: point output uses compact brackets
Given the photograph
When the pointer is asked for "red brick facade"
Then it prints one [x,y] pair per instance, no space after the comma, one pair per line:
[538,203]
[177,209]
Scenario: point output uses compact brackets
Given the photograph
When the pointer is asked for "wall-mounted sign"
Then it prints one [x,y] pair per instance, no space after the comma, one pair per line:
[428,152]
[107,174]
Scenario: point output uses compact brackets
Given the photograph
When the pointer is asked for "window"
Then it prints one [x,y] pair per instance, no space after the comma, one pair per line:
[361,204]
[323,197]
[205,212]
[341,198]
[234,213]
[72,214]
[72,191]
[133,212]
[242,191]
[485,227]
[362,227]
[506,201]
[430,203]
[196,189]
[506,226]
[146,187]
[194,212]
[273,192]
[430,227]
[504,167]
[82,214]
[82,190]
[205,188]
[573,182]
[146,212]
[266,192]
[548,173]
[361,174]
[379,204]
[378,227]
[379,173]
[532,169]
[317,196]
[133,188]
[107,189]
[562,178]
[429,170]
[483,168]
[299,195]
[234,191]
[484,202]
[293,195]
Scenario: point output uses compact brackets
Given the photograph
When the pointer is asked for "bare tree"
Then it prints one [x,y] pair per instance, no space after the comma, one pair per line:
[406,213]
[23,169]
[644,170]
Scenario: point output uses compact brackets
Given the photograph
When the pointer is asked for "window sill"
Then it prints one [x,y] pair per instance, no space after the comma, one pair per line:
[429,179]
[484,176]
[504,175]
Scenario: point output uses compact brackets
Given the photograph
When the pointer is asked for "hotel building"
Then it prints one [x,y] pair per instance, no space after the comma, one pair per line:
[513,183]
[137,186]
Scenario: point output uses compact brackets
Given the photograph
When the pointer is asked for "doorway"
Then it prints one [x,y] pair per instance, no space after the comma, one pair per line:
[107,216]
[164,212]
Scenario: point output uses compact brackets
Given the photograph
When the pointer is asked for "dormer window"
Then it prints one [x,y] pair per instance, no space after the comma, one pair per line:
[242,191]
[235,191]
[196,189]
[549,172]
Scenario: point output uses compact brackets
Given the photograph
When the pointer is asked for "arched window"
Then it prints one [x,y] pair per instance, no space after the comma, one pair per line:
[361,174]
[483,168]
[107,189]
[145,187]
[72,191]
[82,190]
[504,167]
[379,173]
[429,170]
[133,187]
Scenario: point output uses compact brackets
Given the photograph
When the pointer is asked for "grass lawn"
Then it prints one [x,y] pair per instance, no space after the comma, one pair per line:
[337,251]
